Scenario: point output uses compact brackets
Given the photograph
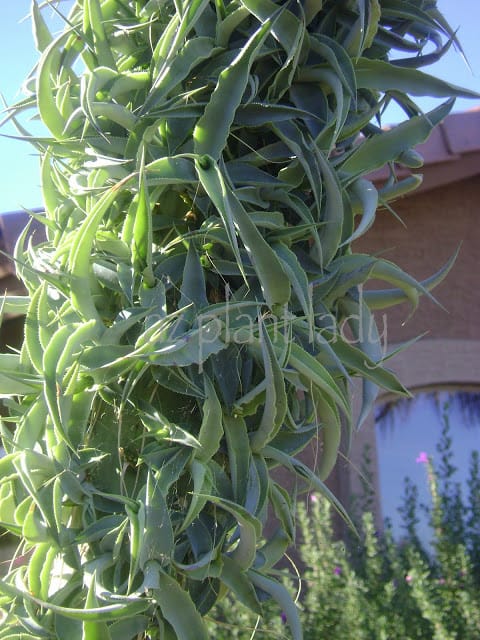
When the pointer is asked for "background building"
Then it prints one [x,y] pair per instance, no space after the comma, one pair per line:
[441,216]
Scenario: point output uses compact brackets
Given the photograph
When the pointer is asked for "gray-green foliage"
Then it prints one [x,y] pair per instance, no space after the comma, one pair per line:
[203,179]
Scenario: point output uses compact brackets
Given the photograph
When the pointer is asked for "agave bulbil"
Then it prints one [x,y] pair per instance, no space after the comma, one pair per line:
[203,180]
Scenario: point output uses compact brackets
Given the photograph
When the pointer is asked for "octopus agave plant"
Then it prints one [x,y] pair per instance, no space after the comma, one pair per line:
[203,170]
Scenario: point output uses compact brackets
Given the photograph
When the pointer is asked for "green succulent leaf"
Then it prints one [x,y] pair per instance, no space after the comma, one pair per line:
[204,175]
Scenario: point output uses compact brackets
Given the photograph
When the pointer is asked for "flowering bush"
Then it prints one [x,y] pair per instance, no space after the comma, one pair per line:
[376,587]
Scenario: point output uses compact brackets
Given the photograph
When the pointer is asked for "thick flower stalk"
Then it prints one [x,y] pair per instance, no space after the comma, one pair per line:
[203,180]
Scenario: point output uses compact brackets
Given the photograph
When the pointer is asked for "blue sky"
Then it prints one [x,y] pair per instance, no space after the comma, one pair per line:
[19,173]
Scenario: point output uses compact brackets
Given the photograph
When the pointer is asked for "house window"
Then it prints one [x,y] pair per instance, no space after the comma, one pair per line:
[409,429]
